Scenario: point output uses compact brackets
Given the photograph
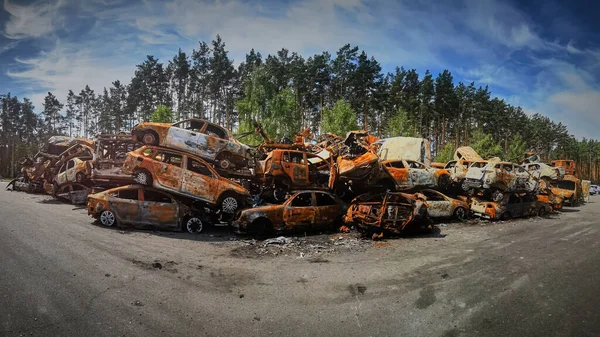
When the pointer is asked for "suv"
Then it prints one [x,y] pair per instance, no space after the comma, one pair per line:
[499,178]
[514,206]
[186,175]
[291,169]
[197,136]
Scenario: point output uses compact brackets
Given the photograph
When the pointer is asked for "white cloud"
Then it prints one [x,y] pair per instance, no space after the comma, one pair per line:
[34,20]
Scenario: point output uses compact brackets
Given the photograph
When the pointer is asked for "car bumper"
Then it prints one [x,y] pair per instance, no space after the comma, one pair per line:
[481,215]
[470,183]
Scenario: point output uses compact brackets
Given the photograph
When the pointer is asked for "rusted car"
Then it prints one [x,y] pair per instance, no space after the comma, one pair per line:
[390,212]
[555,201]
[303,211]
[568,166]
[514,205]
[497,178]
[544,171]
[143,206]
[288,170]
[397,175]
[74,193]
[569,189]
[200,137]
[73,171]
[457,168]
[404,148]
[442,206]
[184,174]
[109,156]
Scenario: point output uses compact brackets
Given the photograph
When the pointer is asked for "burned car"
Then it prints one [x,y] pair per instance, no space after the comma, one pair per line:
[109,156]
[74,170]
[288,170]
[303,211]
[184,174]
[408,174]
[514,205]
[555,201]
[390,212]
[569,189]
[143,206]
[442,206]
[457,168]
[497,178]
[200,137]
[404,148]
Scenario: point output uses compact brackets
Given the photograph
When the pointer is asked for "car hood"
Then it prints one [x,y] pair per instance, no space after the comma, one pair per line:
[274,213]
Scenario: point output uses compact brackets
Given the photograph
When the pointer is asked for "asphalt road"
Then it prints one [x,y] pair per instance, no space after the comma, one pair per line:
[61,275]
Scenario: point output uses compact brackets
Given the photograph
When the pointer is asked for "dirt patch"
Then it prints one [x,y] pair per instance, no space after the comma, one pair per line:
[357,289]
[157,265]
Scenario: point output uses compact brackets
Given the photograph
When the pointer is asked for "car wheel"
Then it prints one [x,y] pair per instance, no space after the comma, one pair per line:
[108,218]
[142,178]
[460,213]
[225,164]
[79,177]
[444,182]
[149,138]
[542,211]
[230,204]
[193,225]
[506,216]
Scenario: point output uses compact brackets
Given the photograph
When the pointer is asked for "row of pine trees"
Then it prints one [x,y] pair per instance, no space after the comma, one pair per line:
[287,92]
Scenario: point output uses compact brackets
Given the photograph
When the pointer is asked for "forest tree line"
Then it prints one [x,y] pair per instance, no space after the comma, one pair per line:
[287,92]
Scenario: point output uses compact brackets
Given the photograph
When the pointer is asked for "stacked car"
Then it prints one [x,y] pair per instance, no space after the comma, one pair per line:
[189,174]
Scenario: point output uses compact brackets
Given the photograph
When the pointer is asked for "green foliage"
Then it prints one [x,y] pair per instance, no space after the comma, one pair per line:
[339,119]
[400,125]
[516,149]
[485,145]
[446,155]
[162,114]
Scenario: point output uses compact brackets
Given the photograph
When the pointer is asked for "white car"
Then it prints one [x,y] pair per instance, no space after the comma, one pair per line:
[594,189]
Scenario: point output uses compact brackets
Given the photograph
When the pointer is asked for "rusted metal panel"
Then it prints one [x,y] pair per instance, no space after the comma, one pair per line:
[569,166]
[585,190]
[407,148]
[467,153]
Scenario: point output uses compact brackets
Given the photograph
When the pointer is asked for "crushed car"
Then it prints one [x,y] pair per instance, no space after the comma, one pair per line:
[288,170]
[457,168]
[303,211]
[514,205]
[207,140]
[497,178]
[569,189]
[390,212]
[442,206]
[74,170]
[143,206]
[109,156]
[186,175]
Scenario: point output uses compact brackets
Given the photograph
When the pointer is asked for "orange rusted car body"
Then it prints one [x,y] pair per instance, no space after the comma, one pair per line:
[197,136]
[555,201]
[512,206]
[568,165]
[303,211]
[569,189]
[293,169]
[442,206]
[133,205]
[387,212]
[183,174]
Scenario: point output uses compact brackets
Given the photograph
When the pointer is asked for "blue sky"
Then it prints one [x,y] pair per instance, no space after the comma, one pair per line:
[541,55]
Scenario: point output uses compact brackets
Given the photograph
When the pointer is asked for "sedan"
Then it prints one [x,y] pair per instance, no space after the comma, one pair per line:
[144,207]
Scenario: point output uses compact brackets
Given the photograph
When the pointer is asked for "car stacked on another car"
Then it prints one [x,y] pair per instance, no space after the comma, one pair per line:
[186,175]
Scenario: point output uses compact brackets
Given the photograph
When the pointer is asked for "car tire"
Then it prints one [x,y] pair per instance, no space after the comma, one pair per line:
[542,212]
[150,138]
[260,227]
[460,213]
[230,203]
[279,194]
[506,216]
[225,164]
[80,177]
[497,195]
[444,182]
[193,225]
[143,178]
[108,218]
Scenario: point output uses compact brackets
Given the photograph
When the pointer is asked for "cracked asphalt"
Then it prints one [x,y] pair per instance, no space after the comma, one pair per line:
[62,275]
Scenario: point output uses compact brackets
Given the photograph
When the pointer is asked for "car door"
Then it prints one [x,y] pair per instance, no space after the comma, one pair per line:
[215,138]
[61,177]
[399,173]
[158,209]
[185,136]
[70,172]
[439,206]
[199,180]
[299,212]
[295,167]
[168,171]
[327,210]
[419,174]
[126,205]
